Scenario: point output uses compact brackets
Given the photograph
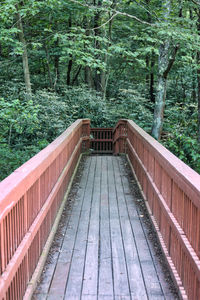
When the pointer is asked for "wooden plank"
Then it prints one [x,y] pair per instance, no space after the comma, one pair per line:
[123,298]
[105,255]
[151,280]
[74,284]
[39,296]
[57,288]
[89,297]
[59,279]
[51,263]
[120,276]
[90,277]
[135,274]
[103,297]
[45,281]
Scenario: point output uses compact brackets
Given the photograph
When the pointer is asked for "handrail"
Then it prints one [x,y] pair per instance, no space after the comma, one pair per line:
[29,200]
[31,196]
[172,193]
[101,140]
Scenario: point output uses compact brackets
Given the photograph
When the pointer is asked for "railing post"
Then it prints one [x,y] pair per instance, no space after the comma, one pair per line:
[119,137]
[2,267]
[85,135]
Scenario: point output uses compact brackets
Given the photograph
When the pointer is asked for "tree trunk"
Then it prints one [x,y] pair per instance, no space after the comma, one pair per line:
[163,70]
[87,70]
[69,71]
[104,81]
[159,108]
[104,78]
[70,63]
[147,56]
[193,94]
[56,65]
[105,74]
[97,18]
[48,67]
[76,75]
[198,81]
[164,66]
[24,55]
[88,77]
[151,88]
[147,72]
[198,78]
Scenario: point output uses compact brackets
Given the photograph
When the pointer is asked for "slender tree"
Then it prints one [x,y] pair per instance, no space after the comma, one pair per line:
[25,53]
[164,66]
[198,76]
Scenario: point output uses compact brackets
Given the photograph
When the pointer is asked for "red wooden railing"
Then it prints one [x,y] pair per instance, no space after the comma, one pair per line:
[29,200]
[101,140]
[172,193]
[31,196]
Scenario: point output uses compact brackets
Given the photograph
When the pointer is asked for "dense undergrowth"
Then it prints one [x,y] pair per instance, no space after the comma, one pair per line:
[28,124]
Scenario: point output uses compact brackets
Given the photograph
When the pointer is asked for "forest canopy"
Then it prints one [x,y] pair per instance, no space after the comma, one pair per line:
[66,59]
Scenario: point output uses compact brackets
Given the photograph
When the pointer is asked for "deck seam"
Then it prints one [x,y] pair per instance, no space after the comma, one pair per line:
[150,251]
[99,245]
[142,273]
[111,251]
[77,228]
[88,229]
[68,221]
[117,200]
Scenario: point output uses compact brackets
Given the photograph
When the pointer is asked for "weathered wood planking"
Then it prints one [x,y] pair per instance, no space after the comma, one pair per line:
[104,253]
[135,272]
[75,278]
[90,276]
[120,276]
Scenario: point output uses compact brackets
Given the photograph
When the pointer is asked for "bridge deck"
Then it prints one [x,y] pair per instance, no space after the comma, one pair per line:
[104,246]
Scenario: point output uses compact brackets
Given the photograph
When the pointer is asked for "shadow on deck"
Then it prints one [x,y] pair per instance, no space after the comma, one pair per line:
[105,246]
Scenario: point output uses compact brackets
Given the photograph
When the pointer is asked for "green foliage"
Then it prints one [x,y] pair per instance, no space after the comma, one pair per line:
[180,132]
[85,63]
[29,125]
[85,103]
[130,104]
[58,111]
[184,147]
[17,118]
[19,127]
[12,157]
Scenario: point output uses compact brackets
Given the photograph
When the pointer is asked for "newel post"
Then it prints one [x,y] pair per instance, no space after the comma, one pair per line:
[85,135]
[119,137]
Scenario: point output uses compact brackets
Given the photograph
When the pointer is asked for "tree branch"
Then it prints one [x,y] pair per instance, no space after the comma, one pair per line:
[195,2]
[112,17]
[133,17]
[76,75]
[114,11]
[171,61]
[144,6]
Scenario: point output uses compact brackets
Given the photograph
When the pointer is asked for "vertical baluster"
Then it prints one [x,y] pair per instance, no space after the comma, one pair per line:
[2,246]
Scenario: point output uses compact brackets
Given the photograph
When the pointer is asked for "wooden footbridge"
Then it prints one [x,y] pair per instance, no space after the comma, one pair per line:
[103,251]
